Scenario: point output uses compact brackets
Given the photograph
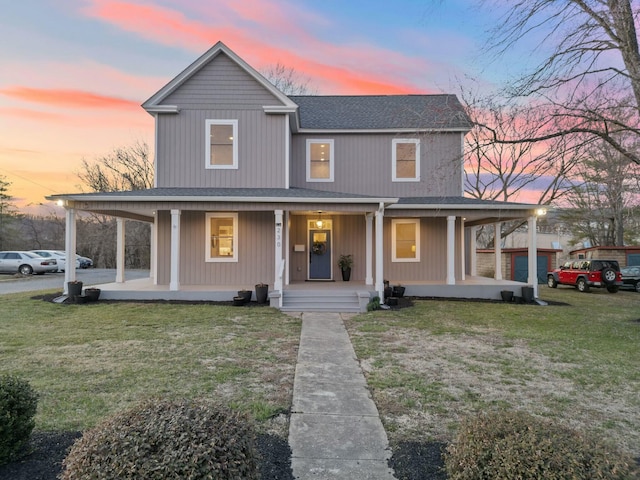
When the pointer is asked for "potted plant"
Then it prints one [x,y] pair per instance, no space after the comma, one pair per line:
[92,294]
[245,294]
[74,288]
[262,291]
[398,291]
[345,262]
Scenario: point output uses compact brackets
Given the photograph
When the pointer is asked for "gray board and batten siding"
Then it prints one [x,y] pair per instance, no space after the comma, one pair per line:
[363,164]
[221,90]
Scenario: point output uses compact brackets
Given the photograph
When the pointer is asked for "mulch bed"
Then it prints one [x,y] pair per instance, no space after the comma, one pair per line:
[410,460]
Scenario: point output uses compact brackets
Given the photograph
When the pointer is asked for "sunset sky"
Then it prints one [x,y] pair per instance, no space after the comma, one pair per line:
[73,73]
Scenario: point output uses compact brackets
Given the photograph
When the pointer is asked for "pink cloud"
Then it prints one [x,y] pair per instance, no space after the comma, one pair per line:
[358,68]
[68,98]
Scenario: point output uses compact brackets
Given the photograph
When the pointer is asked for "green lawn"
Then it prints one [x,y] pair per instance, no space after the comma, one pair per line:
[579,363]
[427,366]
[88,361]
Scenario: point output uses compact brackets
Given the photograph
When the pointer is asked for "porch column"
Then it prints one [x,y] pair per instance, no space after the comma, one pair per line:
[533,255]
[70,248]
[451,249]
[287,247]
[463,252]
[278,257]
[120,250]
[174,282]
[153,263]
[497,248]
[379,285]
[368,249]
[473,246]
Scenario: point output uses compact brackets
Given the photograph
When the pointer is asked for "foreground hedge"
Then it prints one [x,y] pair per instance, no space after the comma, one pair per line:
[516,445]
[166,439]
[18,405]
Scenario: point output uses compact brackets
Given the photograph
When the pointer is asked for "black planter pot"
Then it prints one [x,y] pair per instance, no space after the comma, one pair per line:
[391,301]
[92,294]
[246,294]
[346,274]
[507,295]
[262,292]
[527,294]
[239,301]
[398,291]
[388,292]
[74,289]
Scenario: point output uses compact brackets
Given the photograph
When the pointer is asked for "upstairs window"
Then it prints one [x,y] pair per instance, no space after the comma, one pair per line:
[405,240]
[405,159]
[320,161]
[222,144]
[222,237]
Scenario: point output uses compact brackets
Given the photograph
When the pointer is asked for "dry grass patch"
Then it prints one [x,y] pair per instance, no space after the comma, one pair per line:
[430,365]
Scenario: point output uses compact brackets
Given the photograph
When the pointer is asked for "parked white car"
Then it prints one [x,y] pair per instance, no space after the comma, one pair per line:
[59,256]
[26,263]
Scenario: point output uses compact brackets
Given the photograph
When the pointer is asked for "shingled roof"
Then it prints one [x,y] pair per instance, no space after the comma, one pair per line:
[381,112]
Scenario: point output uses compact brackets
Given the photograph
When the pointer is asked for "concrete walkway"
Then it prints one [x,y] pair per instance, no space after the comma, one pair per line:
[335,430]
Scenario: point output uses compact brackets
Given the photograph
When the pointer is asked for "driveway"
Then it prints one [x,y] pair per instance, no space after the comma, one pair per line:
[48,281]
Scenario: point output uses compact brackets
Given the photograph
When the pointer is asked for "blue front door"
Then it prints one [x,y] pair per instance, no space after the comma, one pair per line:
[320,255]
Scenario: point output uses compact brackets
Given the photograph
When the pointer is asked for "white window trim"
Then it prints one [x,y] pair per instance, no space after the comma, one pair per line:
[397,221]
[207,255]
[394,170]
[207,154]
[332,160]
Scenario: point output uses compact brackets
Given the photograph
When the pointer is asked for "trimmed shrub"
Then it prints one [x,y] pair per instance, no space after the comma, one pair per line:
[517,445]
[374,304]
[18,405]
[166,439]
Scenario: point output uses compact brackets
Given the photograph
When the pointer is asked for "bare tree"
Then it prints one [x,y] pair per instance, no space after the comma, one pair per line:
[608,197]
[126,168]
[593,63]
[505,172]
[288,80]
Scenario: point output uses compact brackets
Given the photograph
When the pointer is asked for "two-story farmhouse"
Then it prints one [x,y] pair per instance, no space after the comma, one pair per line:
[253,186]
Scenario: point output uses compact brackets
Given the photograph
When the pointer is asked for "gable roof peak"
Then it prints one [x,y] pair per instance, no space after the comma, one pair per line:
[154,103]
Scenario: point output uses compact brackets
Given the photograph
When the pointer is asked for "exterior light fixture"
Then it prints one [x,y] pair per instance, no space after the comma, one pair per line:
[541,211]
[319,220]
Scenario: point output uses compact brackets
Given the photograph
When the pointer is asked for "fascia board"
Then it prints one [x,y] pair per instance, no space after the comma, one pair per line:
[186,198]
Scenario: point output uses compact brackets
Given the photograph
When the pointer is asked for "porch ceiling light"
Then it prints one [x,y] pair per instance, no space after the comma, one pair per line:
[541,211]
[319,220]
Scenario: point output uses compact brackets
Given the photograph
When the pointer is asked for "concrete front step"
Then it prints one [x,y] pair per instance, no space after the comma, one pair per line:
[324,301]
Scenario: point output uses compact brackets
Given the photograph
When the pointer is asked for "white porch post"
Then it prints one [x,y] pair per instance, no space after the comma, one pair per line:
[463,253]
[174,282]
[278,257]
[153,263]
[120,250]
[287,247]
[368,250]
[473,246]
[533,255]
[451,249]
[379,285]
[497,243]
[70,248]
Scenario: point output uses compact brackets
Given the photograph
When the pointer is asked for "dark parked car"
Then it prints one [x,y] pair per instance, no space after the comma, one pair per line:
[26,263]
[584,274]
[631,278]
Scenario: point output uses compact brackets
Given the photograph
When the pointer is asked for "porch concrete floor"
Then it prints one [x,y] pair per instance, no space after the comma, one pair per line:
[144,289]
